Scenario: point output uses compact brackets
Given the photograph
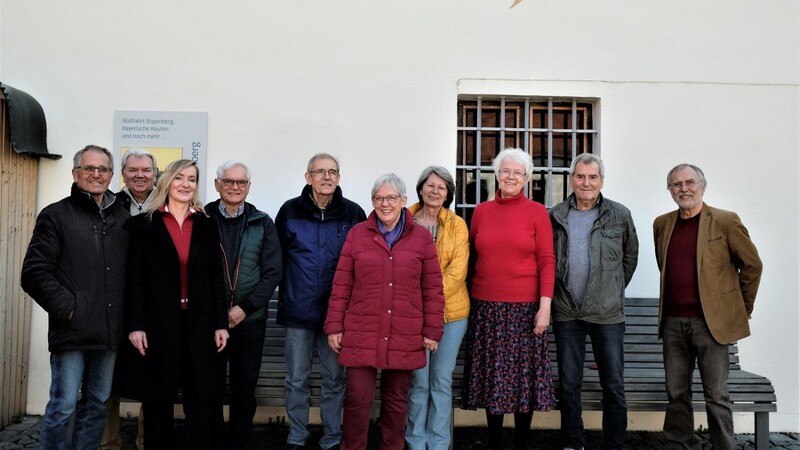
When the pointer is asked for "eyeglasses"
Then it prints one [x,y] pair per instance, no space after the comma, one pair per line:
[89,170]
[680,184]
[227,182]
[391,199]
[512,174]
[320,173]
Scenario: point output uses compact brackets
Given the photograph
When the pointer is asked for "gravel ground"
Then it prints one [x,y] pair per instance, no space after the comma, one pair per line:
[24,434]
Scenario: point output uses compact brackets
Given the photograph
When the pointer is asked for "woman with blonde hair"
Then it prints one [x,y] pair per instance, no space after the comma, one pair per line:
[175,312]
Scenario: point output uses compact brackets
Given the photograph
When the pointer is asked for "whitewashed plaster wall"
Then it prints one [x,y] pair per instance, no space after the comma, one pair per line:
[713,83]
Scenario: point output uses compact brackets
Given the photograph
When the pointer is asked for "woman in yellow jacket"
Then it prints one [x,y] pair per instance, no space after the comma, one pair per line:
[430,396]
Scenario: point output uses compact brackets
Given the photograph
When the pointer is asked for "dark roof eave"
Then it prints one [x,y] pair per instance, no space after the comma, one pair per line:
[27,124]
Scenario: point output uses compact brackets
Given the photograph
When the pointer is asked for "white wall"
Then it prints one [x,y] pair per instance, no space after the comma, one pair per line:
[714,83]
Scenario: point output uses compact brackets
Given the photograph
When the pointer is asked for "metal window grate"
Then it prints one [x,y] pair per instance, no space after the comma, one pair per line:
[552,130]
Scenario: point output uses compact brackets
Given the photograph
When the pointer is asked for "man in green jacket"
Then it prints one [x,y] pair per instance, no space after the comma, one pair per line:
[596,254]
[252,262]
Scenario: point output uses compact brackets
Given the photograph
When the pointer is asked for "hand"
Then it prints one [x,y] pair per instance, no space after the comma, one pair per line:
[139,340]
[430,344]
[235,316]
[541,321]
[335,342]
[221,339]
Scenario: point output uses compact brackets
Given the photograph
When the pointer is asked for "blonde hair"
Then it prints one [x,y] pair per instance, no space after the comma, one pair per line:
[161,194]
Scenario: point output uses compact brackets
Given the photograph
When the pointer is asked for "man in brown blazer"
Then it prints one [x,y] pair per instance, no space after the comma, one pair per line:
[710,271]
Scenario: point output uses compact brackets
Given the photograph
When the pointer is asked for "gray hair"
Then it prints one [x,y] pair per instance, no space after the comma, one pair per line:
[517,156]
[230,164]
[588,158]
[442,173]
[76,161]
[700,175]
[321,156]
[139,153]
[392,181]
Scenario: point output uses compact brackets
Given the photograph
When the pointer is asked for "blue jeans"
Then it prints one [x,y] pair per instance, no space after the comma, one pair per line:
[608,348]
[430,398]
[300,345]
[687,340]
[80,384]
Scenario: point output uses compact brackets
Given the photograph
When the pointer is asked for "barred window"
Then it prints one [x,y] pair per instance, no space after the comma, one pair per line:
[552,130]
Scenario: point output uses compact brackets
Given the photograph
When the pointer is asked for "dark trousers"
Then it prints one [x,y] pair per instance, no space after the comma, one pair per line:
[358,397]
[608,347]
[687,340]
[200,425]
[244,351]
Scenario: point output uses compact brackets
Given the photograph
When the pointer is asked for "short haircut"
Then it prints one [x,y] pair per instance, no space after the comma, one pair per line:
[517,156]
[76,161]
[321,156]
[139,153]
[700,175]
[588,158]
[442,173]
[390,180]
[230,164]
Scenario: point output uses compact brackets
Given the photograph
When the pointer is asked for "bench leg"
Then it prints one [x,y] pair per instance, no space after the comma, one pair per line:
[762,430]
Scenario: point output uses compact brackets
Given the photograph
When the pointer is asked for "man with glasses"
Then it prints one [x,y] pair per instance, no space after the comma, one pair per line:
[597,251]
[74,269]
[312,229]
[252,263]
[710,272]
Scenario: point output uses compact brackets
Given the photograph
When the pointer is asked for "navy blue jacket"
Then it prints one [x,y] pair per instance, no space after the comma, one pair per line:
[311,240]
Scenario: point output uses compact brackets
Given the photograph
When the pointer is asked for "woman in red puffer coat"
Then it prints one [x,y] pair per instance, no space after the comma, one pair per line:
[385,310]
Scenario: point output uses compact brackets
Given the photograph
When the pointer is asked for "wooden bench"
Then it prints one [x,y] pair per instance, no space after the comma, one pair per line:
[644,372]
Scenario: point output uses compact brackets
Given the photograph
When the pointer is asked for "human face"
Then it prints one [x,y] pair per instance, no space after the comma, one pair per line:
[586,184]
[387,212]
[323,177]
[139,176]
[434,191]
[511,178]
[94,183]
[687,191]
[182,187]
[234,195]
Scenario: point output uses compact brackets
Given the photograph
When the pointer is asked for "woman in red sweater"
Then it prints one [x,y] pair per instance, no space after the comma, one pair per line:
[512,279]
[386,309]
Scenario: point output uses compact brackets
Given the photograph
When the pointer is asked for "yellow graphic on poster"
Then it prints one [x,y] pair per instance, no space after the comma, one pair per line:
[163,155]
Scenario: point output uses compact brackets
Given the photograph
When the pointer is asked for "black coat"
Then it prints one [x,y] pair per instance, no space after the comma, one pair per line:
[153,306]
[75,263]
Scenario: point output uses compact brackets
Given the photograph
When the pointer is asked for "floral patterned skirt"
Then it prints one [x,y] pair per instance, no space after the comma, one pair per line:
[507,365]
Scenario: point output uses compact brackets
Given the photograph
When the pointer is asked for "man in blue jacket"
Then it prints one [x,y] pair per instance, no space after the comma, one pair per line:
[75,270]
[312,229]
[252,262]
[596,252]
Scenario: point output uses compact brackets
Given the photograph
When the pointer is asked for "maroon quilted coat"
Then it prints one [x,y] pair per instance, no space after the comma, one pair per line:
[385,300]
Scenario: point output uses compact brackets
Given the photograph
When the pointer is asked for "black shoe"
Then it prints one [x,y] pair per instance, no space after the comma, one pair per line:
[294,447]
[333,447]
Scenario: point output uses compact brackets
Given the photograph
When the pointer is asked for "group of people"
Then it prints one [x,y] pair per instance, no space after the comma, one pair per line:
[150,293]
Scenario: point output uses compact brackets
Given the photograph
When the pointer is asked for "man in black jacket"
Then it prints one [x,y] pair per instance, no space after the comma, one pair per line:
[252,261]
[75,269]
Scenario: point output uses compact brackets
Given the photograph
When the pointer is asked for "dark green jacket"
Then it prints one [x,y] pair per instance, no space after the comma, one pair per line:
[259,262]
[612,261]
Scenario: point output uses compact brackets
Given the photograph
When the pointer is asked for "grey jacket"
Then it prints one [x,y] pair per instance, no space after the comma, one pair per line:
[613,258]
